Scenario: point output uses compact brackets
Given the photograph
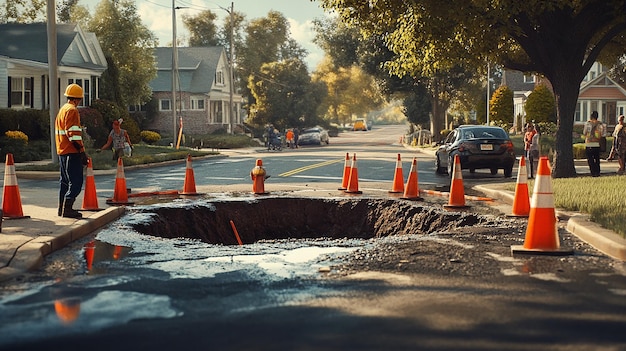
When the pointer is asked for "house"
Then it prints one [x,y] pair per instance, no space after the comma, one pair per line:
[598,92]
[24,64]
[203,92]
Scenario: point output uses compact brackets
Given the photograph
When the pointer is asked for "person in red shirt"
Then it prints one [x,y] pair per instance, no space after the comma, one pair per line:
[528,140]
[71,151]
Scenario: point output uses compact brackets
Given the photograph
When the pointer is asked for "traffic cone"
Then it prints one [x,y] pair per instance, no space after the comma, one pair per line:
[120,194]
[457,191]
[398,178]
[189,187]
[521,201]
[67,310]
[542,236]
[258,175]
[353,181]
[90,199]
[412,191]
[11,200]
[346,173]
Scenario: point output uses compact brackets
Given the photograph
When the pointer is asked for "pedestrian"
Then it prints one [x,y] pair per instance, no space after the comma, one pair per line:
[593,132]
[533,159]
[119,141]
[296,136]
[528,139]
[620,145]
[72,157]
[289,137]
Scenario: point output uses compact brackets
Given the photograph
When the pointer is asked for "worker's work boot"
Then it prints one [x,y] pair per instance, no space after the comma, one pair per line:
[68,212]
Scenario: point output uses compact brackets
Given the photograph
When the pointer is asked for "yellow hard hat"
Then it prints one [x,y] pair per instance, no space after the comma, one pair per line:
[74,91]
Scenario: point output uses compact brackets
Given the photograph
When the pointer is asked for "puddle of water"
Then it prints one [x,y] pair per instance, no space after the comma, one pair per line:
[97,251]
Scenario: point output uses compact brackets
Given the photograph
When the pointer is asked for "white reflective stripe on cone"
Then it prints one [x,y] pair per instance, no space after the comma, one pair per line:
[542,200]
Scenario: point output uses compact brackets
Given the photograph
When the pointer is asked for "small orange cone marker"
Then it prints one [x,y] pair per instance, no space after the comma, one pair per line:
[90,199]
[457,191]
[346,173]
[11,200]
[258,176]
[120,194]
[398,178]
[189,187]
[412,191]
[521,201]
[353,181]
[542,236]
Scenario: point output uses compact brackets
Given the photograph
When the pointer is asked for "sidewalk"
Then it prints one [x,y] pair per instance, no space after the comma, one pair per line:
[24,242]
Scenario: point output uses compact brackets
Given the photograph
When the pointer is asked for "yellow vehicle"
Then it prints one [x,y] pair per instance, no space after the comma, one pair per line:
[360,124]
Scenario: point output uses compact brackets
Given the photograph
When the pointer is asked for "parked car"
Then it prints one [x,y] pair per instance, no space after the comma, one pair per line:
[360,124]
[478,147]
[314,136]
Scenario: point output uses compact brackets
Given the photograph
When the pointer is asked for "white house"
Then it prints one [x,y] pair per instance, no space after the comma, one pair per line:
[24,64]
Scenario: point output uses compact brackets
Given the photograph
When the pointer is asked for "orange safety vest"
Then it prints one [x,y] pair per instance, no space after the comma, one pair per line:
[67,130]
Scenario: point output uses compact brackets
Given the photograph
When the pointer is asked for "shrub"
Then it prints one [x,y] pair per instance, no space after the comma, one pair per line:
[150,137]
[16,134]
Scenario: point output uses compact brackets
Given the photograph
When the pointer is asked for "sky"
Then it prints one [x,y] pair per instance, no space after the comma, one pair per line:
[157,16]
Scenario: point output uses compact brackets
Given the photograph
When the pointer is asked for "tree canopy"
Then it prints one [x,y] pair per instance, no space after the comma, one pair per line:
[559,39]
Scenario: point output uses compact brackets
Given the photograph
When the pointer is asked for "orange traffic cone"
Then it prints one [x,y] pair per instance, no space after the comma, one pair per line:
[90,199]
[353,181]
[346,173]
[521,201]
[457,191]
[412,191]
[542,235]
[398,178]
[11,200]
[120,194]
[258,176]
[67,310]
[189,188]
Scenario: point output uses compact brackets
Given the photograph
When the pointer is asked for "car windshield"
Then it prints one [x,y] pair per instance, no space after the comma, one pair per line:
[484,133]
[312,130]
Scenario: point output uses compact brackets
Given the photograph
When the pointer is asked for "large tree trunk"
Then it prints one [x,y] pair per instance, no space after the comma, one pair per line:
[566,87]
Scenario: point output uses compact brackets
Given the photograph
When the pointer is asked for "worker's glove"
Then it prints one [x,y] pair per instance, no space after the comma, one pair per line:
[83,158]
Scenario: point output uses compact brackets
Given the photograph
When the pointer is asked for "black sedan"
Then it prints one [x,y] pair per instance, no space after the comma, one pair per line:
[314,136]
[478,147]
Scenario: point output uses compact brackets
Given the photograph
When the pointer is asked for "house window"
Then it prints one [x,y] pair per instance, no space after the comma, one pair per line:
[84,83]
[529,78]
[165,105]
[197,103]
[21,92]
[219,77]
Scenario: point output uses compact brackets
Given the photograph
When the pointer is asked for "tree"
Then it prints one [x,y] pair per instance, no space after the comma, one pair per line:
[540,105]
[284,95]
[23,11]
[129,44]
[560,39]
[501,105]
[202,29]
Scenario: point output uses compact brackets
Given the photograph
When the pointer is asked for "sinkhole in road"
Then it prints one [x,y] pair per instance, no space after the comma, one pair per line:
[297,218]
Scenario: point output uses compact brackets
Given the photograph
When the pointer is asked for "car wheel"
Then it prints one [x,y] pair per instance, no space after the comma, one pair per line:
[508,172]
[494,171]
[438,168]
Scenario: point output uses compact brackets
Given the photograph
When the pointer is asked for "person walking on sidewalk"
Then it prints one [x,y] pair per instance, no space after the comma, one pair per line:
[71,151]
[528,139]
[533,155]
[593,132]
[620,144]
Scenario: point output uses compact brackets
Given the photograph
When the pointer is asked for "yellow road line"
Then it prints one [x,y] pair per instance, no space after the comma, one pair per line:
[306,168]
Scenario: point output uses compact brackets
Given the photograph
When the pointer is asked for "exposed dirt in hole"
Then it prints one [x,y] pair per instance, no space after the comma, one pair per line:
[283,217]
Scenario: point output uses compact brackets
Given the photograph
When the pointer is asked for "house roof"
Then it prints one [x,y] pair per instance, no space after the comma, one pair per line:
[196,68]
[29,42]
[602,87]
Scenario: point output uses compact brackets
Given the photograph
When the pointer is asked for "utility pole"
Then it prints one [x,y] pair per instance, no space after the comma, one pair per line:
[488,86]
[53,77]
[230,68]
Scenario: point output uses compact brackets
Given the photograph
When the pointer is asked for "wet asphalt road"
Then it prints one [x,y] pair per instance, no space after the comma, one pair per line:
[150,293]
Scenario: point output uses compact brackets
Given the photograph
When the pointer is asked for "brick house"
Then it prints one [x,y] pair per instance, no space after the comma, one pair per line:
[203,96]
[24,64]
